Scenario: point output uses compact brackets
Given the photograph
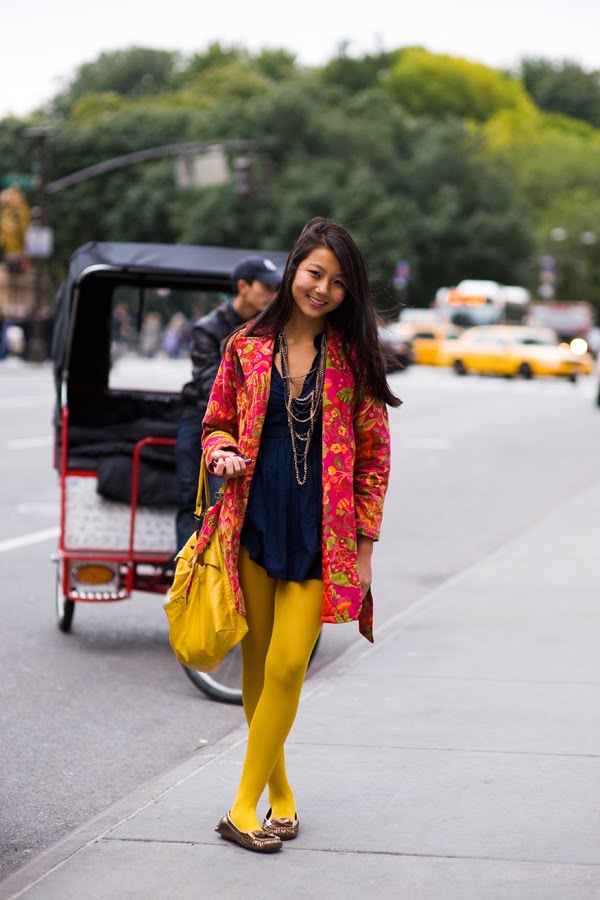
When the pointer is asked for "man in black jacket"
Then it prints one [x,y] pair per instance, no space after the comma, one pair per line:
[254,282]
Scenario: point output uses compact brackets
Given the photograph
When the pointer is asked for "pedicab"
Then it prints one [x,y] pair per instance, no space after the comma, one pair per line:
[117,406]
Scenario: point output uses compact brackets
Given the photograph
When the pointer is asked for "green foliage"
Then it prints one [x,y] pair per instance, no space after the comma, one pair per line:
[233,81]
[215,57]
[563,88]
[358,74]
[133,73]
[94,107]
[439,161]
[438,85]
[556,162]
[15,147]
[276,65]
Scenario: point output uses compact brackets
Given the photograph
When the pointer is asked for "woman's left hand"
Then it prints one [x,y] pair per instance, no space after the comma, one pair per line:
[364,552]
[227,464]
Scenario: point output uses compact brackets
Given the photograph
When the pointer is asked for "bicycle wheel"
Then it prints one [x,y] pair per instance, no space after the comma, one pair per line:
[225,682]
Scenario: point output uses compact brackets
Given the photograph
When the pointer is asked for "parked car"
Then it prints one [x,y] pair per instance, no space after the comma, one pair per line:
[512,350]
[428,340]
[399,349]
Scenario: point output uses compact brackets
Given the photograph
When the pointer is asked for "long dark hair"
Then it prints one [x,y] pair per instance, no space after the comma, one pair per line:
[355,318]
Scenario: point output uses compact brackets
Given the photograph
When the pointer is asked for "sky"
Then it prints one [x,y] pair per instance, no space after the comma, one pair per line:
[44,43]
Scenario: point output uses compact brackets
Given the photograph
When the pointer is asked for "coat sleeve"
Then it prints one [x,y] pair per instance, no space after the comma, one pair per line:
[206,357]
[371,466]
[220,423]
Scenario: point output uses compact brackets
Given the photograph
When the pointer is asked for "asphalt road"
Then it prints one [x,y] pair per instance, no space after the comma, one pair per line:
[86,717]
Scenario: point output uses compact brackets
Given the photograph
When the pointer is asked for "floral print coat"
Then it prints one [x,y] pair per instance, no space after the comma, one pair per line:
[356,463]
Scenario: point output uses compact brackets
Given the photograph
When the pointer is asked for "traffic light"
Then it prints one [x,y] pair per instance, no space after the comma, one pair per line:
[244,182]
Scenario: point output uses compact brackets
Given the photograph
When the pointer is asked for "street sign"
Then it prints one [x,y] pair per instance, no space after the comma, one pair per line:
[207,169]
[23,180]
[39,242]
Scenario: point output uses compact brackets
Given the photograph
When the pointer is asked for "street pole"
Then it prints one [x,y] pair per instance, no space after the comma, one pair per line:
[37,350]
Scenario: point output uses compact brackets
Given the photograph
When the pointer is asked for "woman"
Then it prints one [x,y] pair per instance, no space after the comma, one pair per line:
[297,422]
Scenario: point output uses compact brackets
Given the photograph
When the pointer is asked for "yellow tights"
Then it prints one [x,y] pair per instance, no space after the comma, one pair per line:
[284,621]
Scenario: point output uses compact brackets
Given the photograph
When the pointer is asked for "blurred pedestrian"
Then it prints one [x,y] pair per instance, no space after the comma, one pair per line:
[174,335]
[254,281]
[3,337]
[297,423]
[122,330]
[150,334]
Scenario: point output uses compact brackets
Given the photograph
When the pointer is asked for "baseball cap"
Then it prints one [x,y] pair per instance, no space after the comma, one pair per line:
[257,268]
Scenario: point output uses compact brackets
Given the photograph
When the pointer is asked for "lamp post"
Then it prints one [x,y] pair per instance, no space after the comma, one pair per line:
[38,241]
[563,271]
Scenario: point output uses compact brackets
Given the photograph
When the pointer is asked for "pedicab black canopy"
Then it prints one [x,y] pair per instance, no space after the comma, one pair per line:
[104,423]
[82,329]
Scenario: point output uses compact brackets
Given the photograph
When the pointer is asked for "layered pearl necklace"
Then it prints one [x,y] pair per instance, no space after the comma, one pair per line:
[302,410]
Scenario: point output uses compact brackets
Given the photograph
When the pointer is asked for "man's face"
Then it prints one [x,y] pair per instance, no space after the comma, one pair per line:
[257,295]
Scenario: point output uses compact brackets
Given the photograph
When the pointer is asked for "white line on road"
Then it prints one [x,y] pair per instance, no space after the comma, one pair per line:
[42,440]
[34,537]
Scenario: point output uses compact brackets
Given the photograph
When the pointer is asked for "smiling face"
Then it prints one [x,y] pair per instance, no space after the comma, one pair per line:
[318,287]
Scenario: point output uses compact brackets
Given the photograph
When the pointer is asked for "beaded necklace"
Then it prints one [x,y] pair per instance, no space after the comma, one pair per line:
[302,410]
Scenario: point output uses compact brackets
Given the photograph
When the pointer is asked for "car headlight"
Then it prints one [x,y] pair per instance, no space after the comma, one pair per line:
[579,346]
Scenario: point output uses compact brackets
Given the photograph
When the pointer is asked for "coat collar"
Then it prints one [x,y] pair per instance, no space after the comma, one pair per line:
[256,351]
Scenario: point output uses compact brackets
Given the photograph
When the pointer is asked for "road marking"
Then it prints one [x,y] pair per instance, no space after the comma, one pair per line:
[34,537]
[43,440]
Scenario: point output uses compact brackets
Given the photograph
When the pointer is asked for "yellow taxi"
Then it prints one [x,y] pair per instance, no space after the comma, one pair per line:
[512,350]
[428,340]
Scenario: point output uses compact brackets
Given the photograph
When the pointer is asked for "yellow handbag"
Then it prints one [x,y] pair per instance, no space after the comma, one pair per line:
[204,624]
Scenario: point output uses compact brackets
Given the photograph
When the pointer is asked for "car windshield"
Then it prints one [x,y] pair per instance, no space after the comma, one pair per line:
[535,341]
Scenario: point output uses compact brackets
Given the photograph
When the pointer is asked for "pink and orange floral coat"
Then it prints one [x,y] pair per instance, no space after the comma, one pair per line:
[356,463]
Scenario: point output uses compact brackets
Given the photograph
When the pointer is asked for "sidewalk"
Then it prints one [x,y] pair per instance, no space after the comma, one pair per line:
[458,759]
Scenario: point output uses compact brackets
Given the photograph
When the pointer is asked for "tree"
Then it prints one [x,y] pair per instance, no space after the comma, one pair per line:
[556,162]
[563,87]
[215,56]
[132,73]
[276,65]
[408,187]
[359,74]
[15,146]
[439,85]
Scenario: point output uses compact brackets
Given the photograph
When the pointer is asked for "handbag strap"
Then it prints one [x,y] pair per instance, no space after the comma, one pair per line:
[203,497]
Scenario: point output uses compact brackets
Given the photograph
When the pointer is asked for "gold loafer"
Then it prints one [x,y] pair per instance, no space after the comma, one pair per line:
[286,829]
[260,841]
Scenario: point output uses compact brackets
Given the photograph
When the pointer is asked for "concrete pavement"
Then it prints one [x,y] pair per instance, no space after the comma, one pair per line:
[458,758]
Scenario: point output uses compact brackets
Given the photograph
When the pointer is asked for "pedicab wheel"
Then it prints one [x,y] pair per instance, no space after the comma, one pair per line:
[64,607]
[225,683]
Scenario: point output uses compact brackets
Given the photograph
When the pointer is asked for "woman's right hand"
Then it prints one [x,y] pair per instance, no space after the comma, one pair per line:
[227,464]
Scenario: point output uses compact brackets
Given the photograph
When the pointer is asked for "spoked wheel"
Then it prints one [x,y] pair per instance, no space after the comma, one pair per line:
[225,683]
[64,607]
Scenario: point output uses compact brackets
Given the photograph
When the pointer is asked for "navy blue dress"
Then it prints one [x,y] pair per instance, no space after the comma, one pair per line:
[282,526]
